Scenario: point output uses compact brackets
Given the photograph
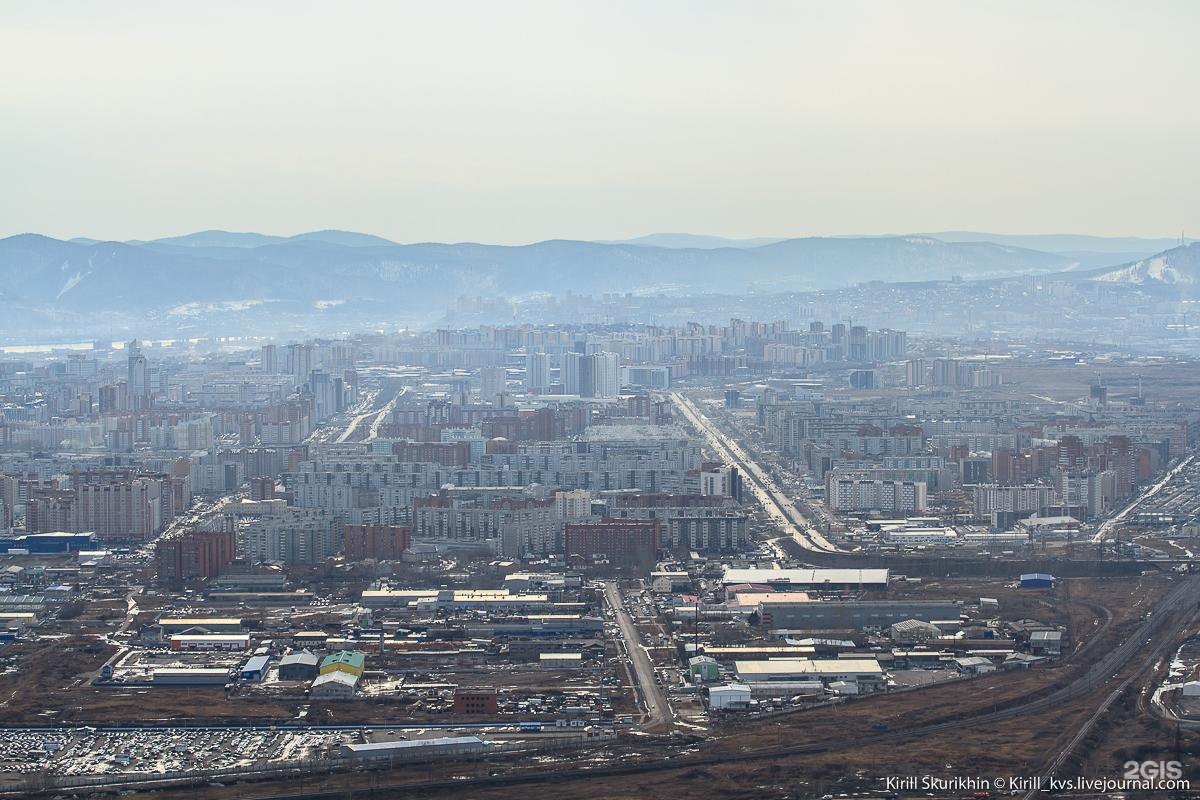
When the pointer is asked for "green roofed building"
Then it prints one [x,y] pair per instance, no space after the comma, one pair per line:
[349,661]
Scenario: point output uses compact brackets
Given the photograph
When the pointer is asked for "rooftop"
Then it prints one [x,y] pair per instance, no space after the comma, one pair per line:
[809,666]
[299,658]
[400,745]
[351,658]
[336,676]
[806,577]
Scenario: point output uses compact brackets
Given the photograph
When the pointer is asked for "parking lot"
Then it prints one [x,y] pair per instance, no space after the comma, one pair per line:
[88,751]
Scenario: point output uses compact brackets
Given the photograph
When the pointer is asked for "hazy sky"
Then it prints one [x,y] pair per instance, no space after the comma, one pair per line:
[513,122]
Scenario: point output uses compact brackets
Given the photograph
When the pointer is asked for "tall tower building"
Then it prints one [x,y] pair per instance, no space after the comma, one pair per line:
[537,373]
[137,383]
[606,375]
[573,365]
[270,359]
[492,383]
[300,361]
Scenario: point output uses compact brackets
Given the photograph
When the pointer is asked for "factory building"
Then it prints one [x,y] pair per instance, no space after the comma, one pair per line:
[350,662]
[193,676]
[1037,580]
[335,685]
[302,666]
[866,672]
[811,579]
[173,625]
[798,614]
[256,668]
[731,697]
[210,641]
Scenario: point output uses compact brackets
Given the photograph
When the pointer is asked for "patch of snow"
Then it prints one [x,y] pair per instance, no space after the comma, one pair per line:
[196,309]
[71,283]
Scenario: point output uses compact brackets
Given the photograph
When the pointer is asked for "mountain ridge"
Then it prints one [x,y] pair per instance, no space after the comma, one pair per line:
[1176,267]
[306,274]
[217,265]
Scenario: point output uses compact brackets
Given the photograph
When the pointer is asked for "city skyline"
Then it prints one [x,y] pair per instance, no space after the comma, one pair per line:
[787,399]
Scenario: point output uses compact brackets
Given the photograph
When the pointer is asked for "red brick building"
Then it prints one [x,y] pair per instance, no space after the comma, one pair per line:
[475,701]
[622,543]
[379,542]
[262,488]
[193,555]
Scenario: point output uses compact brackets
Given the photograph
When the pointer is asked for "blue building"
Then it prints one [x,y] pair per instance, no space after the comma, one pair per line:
[256,668]
[1037,580]
[48,543]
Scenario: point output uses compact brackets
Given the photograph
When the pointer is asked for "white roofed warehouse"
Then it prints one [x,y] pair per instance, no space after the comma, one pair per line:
[416,749]
[811,579]
[867,672]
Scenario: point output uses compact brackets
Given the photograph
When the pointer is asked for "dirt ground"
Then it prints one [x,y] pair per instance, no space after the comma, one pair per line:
[1105,612]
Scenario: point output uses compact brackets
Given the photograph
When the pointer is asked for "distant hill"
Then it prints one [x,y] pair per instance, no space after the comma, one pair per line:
[190,278]
[343,238]
[1178,267]
[236,239]
[1088,251]
[1063,242]
[692,240]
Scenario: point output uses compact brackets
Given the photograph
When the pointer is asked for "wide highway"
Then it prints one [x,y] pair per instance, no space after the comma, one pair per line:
[1112,522]
[658,709]
[777,505]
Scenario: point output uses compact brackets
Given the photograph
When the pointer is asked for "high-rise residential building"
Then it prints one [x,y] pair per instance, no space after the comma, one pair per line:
[262,488]
[327,393]
[945,372]
[270,359]
[858,343]
[194,554]
[595,375]
[606,375]
[914,372]
[119,509]
[493,381]
[620,543]
[1023,499]
[848,492]
[378,542]
[300,361]
[722,481]
[519,526]
[285,535]
[537,373]
[573,504]
[8,500]
[577,374]
[113,397]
